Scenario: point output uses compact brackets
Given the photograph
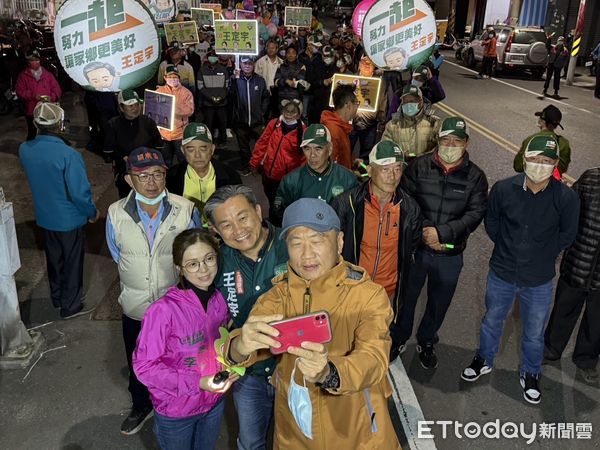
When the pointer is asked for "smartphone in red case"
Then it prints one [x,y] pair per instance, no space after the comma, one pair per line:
[313,327]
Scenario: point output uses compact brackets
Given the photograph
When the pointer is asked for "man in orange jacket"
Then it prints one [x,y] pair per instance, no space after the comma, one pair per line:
[339,123]
[184,108]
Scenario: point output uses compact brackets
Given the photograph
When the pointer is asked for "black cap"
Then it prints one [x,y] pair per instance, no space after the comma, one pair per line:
[551,114]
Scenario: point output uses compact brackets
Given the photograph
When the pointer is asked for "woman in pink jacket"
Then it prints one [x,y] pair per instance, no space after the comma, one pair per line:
[175,356]
[35,84]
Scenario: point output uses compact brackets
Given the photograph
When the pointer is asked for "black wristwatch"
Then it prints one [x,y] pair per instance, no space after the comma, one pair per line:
[331,381]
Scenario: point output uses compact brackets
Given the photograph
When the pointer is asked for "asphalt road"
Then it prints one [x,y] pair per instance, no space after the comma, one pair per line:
[501,114]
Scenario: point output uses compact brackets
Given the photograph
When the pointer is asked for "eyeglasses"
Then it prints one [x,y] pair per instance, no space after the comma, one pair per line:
[145,177]
[193,266]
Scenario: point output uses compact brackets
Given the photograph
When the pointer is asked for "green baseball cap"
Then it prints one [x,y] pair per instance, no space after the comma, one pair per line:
[385,153]
[421,71]
[542,144]
[409,89]
[316,134]
[196,131]
[171,70]
[128,97]
[456,126]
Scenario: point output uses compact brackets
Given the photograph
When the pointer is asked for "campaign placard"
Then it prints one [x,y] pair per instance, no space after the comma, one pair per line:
[399,34]
[107,45]
[244,15]
[160,108]
[236,37]
[366,90]
[163,10]
[216,7]
[182,32]
[203,17]
[297,17]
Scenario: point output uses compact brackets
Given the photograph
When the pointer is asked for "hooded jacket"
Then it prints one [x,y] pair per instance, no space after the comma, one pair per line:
[277,153]
[340,138]
[415,135]
[354,416]
[184,108]
[28,88]
[176,349]
[350,208]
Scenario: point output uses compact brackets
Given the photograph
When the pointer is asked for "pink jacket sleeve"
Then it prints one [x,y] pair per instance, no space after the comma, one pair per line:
[147,357]
[24,91]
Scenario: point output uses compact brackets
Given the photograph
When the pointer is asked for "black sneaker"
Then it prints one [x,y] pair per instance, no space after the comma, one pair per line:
[427,356]
[589,375]
[245,172]
[135,420]
[477,368]
[531,391]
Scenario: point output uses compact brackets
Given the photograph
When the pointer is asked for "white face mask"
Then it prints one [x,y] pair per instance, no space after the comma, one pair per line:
[416,83]
[538,173]
[450,154]
[328,61]
[340,63]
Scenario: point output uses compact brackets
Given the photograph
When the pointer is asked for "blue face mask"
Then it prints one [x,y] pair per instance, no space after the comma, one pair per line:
[300,405]
[410,109]
[150,201]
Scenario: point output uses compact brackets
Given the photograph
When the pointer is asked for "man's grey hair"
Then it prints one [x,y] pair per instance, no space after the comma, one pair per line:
[223,194]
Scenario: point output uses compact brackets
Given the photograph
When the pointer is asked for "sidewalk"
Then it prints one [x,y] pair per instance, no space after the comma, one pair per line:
[76,396]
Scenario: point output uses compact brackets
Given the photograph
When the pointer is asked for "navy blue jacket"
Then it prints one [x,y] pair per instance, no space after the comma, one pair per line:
[250,98]
[529,230]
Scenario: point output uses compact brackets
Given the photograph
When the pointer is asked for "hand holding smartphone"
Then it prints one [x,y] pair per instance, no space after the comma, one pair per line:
[312,327]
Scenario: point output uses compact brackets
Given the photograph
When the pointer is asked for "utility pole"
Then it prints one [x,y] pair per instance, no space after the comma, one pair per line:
[576,43]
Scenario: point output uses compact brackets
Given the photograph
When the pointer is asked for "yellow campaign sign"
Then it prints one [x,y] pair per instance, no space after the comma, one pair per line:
[182,32]
[203,17]
[236,37]
[366,90]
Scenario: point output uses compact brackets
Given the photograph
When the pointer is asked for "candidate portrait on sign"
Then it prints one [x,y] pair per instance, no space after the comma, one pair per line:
[395,58]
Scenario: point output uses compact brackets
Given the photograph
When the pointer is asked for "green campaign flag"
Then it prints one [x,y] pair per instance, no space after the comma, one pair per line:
[297,17]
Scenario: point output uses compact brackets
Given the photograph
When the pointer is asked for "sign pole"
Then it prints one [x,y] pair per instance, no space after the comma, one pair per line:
[576,43]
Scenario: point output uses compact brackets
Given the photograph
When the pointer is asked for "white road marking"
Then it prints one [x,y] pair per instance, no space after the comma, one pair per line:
[408,406]
[537,94]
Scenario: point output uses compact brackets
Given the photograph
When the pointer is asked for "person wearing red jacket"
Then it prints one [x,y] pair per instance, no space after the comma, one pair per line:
[35,84]
[277,152]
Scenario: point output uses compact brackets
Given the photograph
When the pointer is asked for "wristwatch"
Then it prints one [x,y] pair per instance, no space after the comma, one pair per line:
[331,381]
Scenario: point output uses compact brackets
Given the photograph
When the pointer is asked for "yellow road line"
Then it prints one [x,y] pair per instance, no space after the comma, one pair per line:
[489,134]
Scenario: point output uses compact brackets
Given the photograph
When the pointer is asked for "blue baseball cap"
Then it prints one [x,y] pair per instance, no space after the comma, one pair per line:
[311,213]
[143,157]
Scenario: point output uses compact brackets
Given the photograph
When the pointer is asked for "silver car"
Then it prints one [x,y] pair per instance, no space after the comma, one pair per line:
[517,48]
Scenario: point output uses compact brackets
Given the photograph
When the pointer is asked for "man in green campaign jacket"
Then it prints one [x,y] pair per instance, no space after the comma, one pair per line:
[320,178]
[251,256]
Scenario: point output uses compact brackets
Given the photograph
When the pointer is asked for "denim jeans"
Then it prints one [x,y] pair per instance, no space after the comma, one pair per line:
[253,397]
[199,432]
[366,138]
[535,309]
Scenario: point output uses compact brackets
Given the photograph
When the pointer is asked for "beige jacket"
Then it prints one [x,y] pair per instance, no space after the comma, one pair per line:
[415,135]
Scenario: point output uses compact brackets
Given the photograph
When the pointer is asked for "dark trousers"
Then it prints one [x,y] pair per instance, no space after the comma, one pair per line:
[366,139]
[274,106]
[567,306]
[442,274]
[64,259]
[215,118]
[31,129]
[139,393]
[487,66]
[597,89]
[270,187]
[172,153]
[245,135]
[552,71]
